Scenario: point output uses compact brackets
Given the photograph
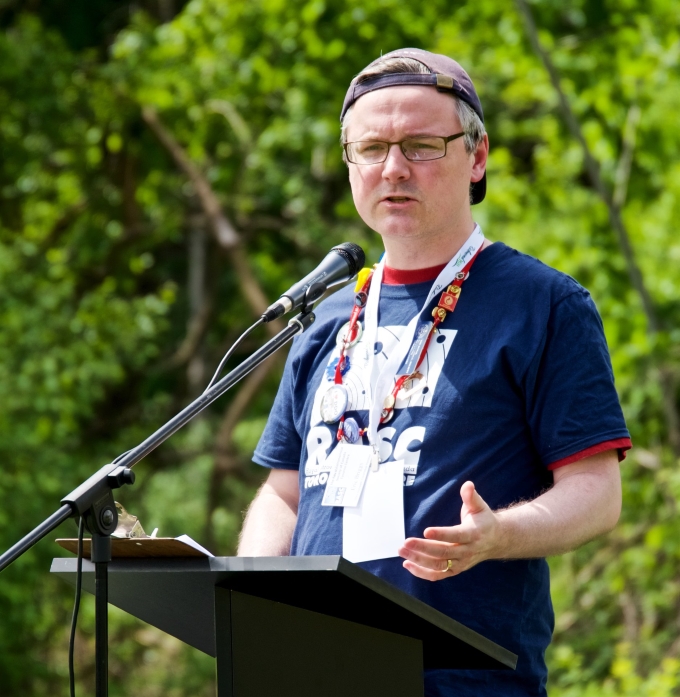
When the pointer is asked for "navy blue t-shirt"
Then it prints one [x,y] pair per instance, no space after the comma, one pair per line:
[518,377]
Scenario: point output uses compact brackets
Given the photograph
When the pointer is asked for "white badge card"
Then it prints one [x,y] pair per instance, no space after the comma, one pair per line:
[348,474]
[375,528]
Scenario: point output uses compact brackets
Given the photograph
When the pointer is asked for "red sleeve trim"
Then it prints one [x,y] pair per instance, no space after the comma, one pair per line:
[621,444]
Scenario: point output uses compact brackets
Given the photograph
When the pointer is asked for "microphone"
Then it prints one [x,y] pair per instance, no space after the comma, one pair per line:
[341,264]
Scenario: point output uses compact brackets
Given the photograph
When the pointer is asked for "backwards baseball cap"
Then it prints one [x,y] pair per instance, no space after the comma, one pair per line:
[445,74]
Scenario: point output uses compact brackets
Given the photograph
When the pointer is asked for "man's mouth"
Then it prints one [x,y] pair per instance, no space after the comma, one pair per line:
[397,199]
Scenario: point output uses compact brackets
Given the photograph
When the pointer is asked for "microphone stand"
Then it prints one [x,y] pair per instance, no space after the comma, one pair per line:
[93,499]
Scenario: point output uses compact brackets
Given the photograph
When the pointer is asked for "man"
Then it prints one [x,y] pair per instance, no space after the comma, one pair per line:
[509,427]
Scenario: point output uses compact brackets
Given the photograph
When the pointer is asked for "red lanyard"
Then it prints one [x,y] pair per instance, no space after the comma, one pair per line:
[359,303]
[447,303]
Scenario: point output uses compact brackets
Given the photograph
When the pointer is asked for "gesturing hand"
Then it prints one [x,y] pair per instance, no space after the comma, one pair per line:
[467,544]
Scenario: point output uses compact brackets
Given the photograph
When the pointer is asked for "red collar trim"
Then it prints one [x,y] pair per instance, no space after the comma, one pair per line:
[401,277]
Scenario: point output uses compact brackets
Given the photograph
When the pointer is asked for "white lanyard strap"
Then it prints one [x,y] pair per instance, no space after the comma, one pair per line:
[382,384]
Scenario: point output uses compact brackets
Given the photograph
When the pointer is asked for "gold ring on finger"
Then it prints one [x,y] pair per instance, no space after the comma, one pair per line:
[449,564]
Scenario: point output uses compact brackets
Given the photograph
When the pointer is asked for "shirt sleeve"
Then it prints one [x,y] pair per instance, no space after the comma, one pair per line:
[621,445]
[572,404]
[280,445]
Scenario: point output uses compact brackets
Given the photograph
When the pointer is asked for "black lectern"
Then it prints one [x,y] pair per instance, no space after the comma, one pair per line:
[295,626]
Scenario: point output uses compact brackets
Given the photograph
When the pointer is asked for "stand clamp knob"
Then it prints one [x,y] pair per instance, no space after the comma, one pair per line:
[120,477]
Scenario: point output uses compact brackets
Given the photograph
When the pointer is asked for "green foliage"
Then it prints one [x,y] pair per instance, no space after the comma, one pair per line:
[622,681]
[98,280]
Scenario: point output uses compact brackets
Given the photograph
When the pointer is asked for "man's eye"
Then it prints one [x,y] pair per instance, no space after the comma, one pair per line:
[422,145]
[370,147]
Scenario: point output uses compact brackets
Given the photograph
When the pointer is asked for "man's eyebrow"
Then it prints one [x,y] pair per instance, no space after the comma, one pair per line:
[423,134]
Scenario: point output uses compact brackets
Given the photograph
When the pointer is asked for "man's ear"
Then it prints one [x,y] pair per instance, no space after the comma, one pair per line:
[481,154]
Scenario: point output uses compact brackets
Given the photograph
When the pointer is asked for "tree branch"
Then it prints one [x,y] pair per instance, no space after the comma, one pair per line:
[235,120]
[198,325]
[224,232]
[222,228]
[251,386]
[631,618]
[622,175]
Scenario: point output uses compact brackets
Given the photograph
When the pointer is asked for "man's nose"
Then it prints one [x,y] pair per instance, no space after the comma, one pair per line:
[396,166]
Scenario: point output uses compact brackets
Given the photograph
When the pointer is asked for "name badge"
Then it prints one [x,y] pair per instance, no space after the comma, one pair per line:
[349,467]
[375,528]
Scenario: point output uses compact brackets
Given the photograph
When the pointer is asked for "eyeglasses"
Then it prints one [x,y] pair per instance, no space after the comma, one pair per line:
[419,149]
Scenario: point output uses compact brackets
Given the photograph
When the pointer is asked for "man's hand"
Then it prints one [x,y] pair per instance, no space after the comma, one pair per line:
[467,544]
[584,502]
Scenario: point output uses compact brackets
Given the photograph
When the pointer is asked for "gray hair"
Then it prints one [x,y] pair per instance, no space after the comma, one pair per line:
[469,120]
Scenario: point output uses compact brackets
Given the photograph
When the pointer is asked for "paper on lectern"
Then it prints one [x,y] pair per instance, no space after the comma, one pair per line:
[192,543]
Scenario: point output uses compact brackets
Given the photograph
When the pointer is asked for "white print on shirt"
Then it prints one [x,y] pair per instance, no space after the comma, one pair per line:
[356,378]
[407,448]
[405,445]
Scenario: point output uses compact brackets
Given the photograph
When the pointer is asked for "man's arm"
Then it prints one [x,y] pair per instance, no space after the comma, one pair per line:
[270,521]
[584,502]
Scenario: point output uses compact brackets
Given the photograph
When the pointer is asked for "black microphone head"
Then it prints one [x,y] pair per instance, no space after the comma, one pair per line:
[340,265]
[353,254]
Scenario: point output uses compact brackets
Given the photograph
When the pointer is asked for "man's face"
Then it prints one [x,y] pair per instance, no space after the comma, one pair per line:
[403,199]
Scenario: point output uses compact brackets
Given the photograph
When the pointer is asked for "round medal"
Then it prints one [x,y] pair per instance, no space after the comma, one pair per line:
[389,402]
[340,337]
[350,431]
[333,404]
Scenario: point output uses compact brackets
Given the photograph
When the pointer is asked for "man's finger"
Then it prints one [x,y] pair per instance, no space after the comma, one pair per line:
[429,574]
[457,534]
[438,563]
[432,547]
[472,501]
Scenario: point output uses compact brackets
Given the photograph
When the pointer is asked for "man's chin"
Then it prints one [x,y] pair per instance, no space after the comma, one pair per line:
[399,231]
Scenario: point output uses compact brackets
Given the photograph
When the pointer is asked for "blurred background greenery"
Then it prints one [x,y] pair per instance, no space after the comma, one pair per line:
[166,166]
